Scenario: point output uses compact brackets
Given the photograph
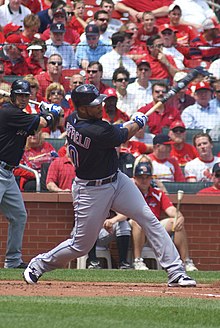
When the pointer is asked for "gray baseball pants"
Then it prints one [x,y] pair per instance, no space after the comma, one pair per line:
[12,206]
[92,205]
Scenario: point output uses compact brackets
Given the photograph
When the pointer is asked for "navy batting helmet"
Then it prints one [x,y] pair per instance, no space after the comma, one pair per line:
[87,95]
[20,87]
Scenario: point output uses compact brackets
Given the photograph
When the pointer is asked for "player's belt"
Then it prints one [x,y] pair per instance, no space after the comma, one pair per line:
[103,181]
[6,166]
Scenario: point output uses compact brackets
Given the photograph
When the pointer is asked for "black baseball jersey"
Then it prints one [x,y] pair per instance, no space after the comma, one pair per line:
[92,146]
[15,127]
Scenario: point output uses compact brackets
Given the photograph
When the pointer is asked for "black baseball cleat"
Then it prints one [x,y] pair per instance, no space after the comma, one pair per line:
[182,281]
[124,266]
[31,276]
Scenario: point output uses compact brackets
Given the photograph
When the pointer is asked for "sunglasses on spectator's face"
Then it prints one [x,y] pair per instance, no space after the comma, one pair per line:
[55,63]
[1,72]
[167,32]
[160,91]
[217,175]
[33,86]
[217,91]
[180,130]
[77,82]
[124,79]
[93,71]
[92,37]
[103,19]
[54,92]
[70,13]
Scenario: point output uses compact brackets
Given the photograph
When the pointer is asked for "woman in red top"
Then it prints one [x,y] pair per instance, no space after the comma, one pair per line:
[33,108]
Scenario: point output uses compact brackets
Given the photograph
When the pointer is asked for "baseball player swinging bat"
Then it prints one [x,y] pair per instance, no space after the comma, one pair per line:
[180,194]
[180,85]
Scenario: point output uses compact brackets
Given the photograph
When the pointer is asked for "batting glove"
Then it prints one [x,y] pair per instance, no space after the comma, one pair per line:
[140,119]
[46,108]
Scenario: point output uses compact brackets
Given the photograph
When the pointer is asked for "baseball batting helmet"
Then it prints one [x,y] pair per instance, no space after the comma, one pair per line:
[20,87]
[87,95]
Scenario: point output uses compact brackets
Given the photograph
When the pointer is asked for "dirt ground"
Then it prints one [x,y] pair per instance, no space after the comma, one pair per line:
[89,289]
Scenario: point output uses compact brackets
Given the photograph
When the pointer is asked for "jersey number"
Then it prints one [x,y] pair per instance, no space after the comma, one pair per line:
[74,155]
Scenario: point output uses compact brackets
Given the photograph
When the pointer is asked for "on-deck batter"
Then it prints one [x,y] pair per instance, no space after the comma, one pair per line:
[100,186]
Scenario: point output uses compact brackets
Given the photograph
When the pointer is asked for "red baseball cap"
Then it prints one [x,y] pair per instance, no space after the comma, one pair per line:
[202,85]
[110,92]
[17,41]
[10,28]
[177,124]
[164,27]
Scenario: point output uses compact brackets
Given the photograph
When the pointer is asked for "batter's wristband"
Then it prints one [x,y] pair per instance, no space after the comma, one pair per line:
[49,119]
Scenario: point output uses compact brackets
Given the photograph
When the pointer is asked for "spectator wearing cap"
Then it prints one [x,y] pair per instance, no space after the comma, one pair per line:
[57,45]
[162,66]
[12,56]
[13,12]
[46,15]
[52,74]
[215,188]
[182,99]
[11,28]
[200,168]
[204,114]
[92,48]
[141,88]
[205,45]
[167,33]
[110,111]
[120,80]
[214,68]
[147,27]
[180,150]
[164,115]
[121,43]
[195,12]
[36,60]
[165,167]
[135,9]
[159,203]
[60,17]
[94,76]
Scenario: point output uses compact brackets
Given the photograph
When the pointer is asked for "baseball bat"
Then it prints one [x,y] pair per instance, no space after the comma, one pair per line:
[180,194]
[7,94]
[180,85]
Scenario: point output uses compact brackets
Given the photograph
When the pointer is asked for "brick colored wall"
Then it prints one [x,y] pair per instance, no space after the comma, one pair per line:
[50,221]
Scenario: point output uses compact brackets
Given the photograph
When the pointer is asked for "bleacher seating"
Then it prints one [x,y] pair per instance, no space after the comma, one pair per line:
[56,142]
[187,187]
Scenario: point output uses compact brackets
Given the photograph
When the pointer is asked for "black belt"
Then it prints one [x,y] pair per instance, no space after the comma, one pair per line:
[103,181]
[7,166]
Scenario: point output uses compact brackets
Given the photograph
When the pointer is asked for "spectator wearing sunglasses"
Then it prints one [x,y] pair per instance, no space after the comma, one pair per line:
[92,48]
[215,188]
[56,44]
[52,74]
[113,24]
[75,81]
[141,88]
[94,76]
[120,81]
[60,17]
[34,87]
[164,115]
[180,150]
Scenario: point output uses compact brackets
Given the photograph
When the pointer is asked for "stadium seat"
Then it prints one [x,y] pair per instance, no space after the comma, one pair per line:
[56,142]
[187,187]
[101,252]
[148,253]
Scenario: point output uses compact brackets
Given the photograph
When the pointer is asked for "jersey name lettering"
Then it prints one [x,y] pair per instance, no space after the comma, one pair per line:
[77,137]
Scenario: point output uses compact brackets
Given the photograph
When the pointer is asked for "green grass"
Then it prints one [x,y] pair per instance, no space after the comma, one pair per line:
[107,312]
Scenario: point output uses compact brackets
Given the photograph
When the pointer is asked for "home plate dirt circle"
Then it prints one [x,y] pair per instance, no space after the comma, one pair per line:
[97,289]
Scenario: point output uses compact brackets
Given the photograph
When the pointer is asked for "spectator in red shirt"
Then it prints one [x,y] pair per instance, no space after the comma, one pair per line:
[94,76]
[36,61]
[162,66]
[215,188]
[137,8]
[180,150]
[33,108]
[165,167]
[31,26]
[110,111]
[158,202]
[60,174]
[34,5]
[75,80]
[53,74]
[70,36]
[36,153]
[164,115]
[147,28]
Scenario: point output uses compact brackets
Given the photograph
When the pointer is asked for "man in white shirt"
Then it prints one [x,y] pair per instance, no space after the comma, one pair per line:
[13,12]
[204,114]
[113,24]
[200,168]
[56,45]
[141,88]
[121,43]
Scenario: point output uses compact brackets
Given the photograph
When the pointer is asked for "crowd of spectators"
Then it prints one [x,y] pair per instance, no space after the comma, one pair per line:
[133,52]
